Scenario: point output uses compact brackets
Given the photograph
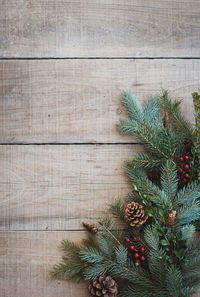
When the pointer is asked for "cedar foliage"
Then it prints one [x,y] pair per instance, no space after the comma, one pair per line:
[172,267]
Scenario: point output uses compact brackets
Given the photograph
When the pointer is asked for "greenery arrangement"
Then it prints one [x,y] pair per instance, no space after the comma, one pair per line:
[147,245]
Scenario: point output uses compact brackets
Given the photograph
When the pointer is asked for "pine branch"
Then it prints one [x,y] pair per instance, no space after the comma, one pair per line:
[137,291]
[91,255]
[156,257]
[165,240]
[174,281]
[146,161]
[126,126]
[151,109]
[72,266]
[187,231]
[151,143]
[101,263]
[192,282]
[90,241]
[145,186]
[147,126]
[109,232]
[96,270]
[189,193]
[133,196]
[169,180]
[136,275]
[188,213]
[133,107]
[145,136]
[121,255]
[104,246]
[177,120]
[70,269]
[139,278]
[70,248]
[118,209]
[193,246]
[191,266]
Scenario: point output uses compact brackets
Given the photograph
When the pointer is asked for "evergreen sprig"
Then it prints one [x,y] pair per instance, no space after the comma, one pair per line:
[147,125]
[172,266]
[180,124]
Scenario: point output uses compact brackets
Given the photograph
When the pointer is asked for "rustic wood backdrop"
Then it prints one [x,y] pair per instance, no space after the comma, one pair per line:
[63,66]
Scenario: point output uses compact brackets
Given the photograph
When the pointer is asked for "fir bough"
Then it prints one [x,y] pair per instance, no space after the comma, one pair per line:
[158,258]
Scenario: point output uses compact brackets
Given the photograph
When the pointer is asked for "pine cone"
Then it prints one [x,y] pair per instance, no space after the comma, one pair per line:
[166,120]
[137,263]
[90,227]
[188,143]
[103,286]
[135,214]
[170,220]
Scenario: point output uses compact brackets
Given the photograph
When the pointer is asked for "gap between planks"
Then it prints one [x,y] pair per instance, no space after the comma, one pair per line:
[43,230]
[98,58]
[71,143]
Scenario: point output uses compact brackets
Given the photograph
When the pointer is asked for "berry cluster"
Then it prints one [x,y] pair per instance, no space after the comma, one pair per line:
[183,170]
[139,252]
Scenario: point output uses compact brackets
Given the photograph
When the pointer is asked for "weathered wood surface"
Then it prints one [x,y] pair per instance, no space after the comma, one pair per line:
[56,187]
[77,101]
[25,261]
[106,28]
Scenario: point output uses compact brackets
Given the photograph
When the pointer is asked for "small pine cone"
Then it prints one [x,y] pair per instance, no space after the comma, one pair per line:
[170,220]
[188,143]
[103,286]
[135,214]
[137,263]
[166,120]
[90,227]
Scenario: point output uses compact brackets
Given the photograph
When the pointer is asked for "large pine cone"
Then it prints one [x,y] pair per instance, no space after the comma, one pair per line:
[103,286]
[135,214]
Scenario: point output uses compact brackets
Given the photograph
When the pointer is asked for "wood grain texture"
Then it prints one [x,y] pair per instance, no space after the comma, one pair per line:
[106,28]
[77,101]
[25,261]
[56,187]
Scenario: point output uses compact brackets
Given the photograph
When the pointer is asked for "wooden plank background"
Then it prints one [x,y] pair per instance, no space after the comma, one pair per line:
[63,66]
[77,101]
[99,28]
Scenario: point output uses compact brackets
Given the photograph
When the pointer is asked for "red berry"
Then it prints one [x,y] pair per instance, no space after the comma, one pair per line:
[142,258]
[187,175]
[127,240]
[134,238]
[181,159]
[184,180]
[187,166]
[132,247]
[186,157]
[142,250]
[136,255]
[181,170]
